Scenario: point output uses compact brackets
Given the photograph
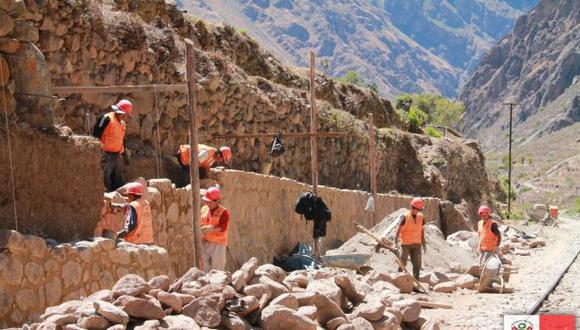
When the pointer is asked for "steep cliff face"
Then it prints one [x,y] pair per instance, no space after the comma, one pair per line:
[537,65]
[241,89]
[402,45]
[533,65]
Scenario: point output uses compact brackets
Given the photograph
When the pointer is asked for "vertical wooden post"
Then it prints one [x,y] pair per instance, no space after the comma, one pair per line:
[313,124]
[372,166]
[372,156]
[313,138]
[193,141]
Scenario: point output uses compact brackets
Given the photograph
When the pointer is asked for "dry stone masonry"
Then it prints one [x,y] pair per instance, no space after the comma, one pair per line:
[37,273]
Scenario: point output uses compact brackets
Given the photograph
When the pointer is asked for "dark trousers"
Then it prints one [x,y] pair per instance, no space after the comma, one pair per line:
[184,180]
[112,165]
[413,250]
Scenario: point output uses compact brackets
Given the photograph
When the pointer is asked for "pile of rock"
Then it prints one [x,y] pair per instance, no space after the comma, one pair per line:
[264,296]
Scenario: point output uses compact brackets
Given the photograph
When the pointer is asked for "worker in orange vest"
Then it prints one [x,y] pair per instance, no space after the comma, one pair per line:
[215,220]
[110,129]
[489,234]
[138,227]
[208,156]
[412,236]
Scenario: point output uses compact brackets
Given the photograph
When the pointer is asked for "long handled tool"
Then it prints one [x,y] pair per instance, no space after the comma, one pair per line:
[390,247]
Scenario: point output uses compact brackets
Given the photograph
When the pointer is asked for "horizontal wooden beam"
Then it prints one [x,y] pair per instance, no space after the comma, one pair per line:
[118,89]
[283,135]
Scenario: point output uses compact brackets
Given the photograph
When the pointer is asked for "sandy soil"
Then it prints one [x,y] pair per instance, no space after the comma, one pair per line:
[536,272]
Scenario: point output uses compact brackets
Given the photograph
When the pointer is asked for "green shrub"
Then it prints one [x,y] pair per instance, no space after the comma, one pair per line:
[352,78]
[577,205]
[431,131]
[416,119]
[243,31]
[503,183]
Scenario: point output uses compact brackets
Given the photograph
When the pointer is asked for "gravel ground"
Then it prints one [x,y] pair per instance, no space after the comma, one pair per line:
[536,272]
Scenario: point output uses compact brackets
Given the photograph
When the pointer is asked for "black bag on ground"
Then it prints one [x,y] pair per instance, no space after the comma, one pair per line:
[276,147]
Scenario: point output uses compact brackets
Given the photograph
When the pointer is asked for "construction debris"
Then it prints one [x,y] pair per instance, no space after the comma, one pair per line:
[263,296]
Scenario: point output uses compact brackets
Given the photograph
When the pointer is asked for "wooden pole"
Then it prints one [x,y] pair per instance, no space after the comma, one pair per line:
[194,161]
[118,89]
[373,162]
[313,139]
[293,135]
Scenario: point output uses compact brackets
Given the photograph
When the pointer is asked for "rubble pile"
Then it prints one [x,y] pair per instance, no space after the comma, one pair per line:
[254,296]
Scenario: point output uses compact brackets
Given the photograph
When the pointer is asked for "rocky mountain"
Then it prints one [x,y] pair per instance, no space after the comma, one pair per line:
[401,45]
[537,65]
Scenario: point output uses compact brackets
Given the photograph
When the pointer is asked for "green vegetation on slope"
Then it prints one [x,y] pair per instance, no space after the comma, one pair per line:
[418,110]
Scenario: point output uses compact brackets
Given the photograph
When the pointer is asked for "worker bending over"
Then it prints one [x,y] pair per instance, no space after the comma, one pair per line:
[489,234]
[138,227]
[215,220]
[208,156]
[110,129]
[412,236]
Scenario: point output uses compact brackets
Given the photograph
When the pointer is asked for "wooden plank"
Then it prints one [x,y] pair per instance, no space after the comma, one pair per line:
[116,89]
[429,304]
[194,161]
[283,135]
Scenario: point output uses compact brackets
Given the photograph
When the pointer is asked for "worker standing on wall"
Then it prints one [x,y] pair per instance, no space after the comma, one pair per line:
[215,220]
[412,235]
[208,156]
[489,234]
[110,129]
[138,227]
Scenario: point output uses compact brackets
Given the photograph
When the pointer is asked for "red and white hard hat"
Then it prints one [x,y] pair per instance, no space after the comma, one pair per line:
[212,194]
[418,203]
[483,209]
[135,188]
[123,107]
[226,153]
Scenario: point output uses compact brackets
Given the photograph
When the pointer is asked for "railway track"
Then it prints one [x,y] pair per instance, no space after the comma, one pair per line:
[536,305]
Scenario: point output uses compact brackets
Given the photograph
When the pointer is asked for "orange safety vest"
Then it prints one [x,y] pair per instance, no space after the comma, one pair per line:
[185,151]
[487,239]
[209,217]
[143,233]
[112,138]
[411,231]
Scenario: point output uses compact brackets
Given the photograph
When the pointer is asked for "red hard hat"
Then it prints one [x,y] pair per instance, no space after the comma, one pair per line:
[212,194]
[135,188]
[418,203]
[483,209]
[226,154]
[124,107]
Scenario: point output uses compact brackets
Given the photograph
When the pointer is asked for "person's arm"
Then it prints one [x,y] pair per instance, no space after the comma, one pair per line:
[495,230]
[100,126]
[224,222]
[423,242]
[130,222]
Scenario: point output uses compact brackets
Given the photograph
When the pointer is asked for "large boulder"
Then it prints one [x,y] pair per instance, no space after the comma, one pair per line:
[328,288]
[410,309]
[445,287]
[130,285]
[206,311]
[279,317]
[112,313]
[403,281]
[538,212]
[327,308]
[178,322]
[274,272]
[355,291]
[140,308]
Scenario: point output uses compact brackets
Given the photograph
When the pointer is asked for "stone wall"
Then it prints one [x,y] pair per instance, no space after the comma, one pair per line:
[58,182]
[36,273]
[263,222]
[264,225]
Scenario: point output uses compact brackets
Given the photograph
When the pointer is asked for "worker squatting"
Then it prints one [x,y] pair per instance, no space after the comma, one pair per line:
[215,218]
[138,226]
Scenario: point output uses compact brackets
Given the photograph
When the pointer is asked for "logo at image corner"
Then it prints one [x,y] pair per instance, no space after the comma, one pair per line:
[522,325]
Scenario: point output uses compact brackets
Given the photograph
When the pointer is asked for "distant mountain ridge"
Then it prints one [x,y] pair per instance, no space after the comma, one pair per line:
[400,45]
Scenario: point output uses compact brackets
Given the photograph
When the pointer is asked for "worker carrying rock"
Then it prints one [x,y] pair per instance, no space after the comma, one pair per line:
[411,235]
[208,157]
[489,234]
[215,220]
[138,227]
[110,129]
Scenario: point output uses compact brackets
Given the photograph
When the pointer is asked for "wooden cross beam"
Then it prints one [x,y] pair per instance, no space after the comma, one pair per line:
[291,135]
[115,89]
